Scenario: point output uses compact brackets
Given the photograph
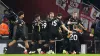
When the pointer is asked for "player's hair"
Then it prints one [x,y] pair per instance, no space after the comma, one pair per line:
[74,12]
[77,27]
[59,14]
[51,12]
[20,13]
[37,15]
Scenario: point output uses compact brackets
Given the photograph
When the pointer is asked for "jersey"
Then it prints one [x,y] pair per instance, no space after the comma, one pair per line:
[44,30]
[76,22]
[43,26]
[74,37]
[74,42]
[54,25]
[20,31]
[36,30]
[20,26]
[36,26]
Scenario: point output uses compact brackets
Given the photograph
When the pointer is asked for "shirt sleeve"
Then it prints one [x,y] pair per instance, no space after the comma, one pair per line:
[18,21]
[60,23]
[33,25]
[79,21]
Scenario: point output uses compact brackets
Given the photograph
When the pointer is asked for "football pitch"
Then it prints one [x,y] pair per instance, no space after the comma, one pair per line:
[49,54]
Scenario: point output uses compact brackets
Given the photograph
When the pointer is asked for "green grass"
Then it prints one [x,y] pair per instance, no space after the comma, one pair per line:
[49,54]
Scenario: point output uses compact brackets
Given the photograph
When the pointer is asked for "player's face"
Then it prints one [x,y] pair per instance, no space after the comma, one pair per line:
[51,15]
[22,16]
[60,17]
[75,14]
[38,18]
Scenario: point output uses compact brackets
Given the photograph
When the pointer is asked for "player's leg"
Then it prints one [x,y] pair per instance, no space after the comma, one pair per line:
[52,43]
[77,48]
[65,42]
[27,45]
[14,40]
[26,42]
[45,44]
[34,39]
[39,41]
[52,46]
[34,45]
[71,47]
[11,43]
[45,47]
[65,45]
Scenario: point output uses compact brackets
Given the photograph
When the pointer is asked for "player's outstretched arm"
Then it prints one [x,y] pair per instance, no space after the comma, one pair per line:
[82,26]
[63,26]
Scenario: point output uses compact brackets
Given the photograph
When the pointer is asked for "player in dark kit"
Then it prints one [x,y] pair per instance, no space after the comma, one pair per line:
[36,39]
[44,35]
[36,28]
[74,20]
[44,29]
[74,42]
[54,25]
[19,33]
[74,39]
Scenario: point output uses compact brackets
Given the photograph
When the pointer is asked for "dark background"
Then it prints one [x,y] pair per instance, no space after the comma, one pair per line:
[42,7]
[31,7]
[94,2]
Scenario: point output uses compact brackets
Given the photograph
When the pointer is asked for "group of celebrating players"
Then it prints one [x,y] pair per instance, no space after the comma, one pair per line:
[46,31]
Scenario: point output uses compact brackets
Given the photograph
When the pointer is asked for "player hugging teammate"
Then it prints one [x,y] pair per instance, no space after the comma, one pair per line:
[46,30]
[75,25]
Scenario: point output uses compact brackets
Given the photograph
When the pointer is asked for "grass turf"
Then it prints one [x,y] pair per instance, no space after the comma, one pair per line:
[49,54]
